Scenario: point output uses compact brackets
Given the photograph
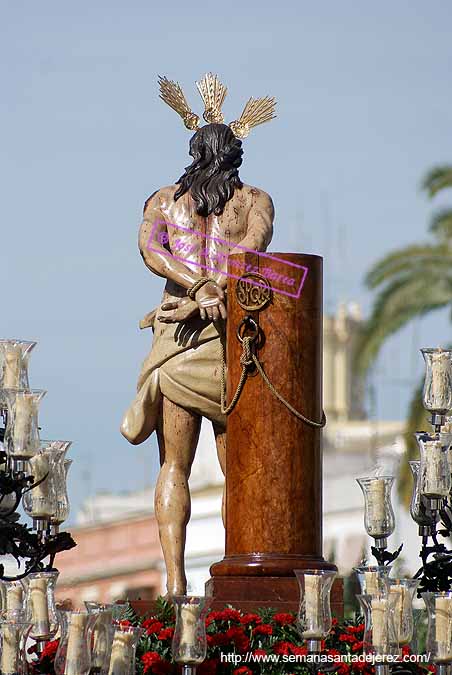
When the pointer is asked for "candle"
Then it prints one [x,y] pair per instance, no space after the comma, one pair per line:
[101,638]
[10,649]
[75,647]
[434,483]
[121,653]
[402,613]
[376,506]
[23,425]
[42,505]
[371,583]
[2,596]
[443,628]
[39,607]
[379,624]
[189,615]
[14,598]
[12,365]
[440,387]
[312,606]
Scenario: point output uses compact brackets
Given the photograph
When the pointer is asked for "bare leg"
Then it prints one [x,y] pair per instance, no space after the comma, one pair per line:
[178,434]
[220,439]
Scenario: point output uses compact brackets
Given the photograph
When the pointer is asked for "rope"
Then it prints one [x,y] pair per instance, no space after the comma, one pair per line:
[247,359]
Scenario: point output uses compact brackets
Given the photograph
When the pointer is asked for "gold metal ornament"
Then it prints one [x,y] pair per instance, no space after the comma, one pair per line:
[253,291]
[256,111]
[213,93]
[171,92]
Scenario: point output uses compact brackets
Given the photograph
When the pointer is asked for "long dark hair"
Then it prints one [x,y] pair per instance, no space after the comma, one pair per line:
[213,175]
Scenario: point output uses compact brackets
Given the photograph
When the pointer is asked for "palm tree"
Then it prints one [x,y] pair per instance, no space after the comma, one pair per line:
[410,282]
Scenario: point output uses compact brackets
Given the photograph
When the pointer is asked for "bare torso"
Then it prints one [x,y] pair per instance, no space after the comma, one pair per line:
[202,243]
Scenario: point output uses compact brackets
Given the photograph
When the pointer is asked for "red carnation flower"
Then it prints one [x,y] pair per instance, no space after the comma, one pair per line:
[299,651]
[263,629]
[152,626]
[237,635]
[243,670]
[283,648]
[125,623]
[284,619]
[150,659]
[50,649]
[166,634]
[259,652]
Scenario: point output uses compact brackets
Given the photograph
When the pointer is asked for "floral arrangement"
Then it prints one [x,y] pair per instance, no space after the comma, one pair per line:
[244,644]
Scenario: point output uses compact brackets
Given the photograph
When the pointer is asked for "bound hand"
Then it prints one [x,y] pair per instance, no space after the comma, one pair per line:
[183,309]
[210,300]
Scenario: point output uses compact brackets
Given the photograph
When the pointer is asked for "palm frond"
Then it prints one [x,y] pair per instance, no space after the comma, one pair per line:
[396,305]
[439,178]
[410,258]
[441,225]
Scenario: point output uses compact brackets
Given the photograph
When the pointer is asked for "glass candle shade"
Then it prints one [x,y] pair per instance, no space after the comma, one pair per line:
[22,432]
[434,473]
[314,615]
[14,357]
[379,518]
[61,466]
[419,510]
[13,634]
[403,590]
[123,649]
[189,645]
[73,656]
[101,636]
[40,502]
[439,632]
[40,605]
[13,596]
[379,632]
[372,578]
[48,501]
[437,393]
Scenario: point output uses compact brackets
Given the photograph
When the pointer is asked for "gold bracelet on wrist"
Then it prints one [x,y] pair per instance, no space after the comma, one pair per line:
[196,286]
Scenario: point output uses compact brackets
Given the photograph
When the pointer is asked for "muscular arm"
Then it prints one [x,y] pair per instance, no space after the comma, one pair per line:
[157,258]
[258,234]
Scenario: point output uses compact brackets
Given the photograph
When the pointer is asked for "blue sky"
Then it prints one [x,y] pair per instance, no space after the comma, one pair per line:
[364,109]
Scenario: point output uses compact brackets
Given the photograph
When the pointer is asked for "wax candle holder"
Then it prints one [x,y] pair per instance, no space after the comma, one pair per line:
[403,590]
[123,650]
[379,518]
[13,634]
[41,611]
[101,635]
[14,358]
[40,502]
[434,473]
[314,619]
[22,430]
[420,507]
[73,656]
[437,393]
[189,646]
[372,578]
[439,632]
[379,638]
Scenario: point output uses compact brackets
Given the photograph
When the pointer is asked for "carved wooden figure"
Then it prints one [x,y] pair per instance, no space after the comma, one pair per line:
[188,231]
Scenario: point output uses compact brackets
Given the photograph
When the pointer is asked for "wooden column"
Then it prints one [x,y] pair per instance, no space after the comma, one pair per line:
[274,460]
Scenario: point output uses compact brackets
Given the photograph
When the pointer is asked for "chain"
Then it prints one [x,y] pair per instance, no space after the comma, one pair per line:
[246,360]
